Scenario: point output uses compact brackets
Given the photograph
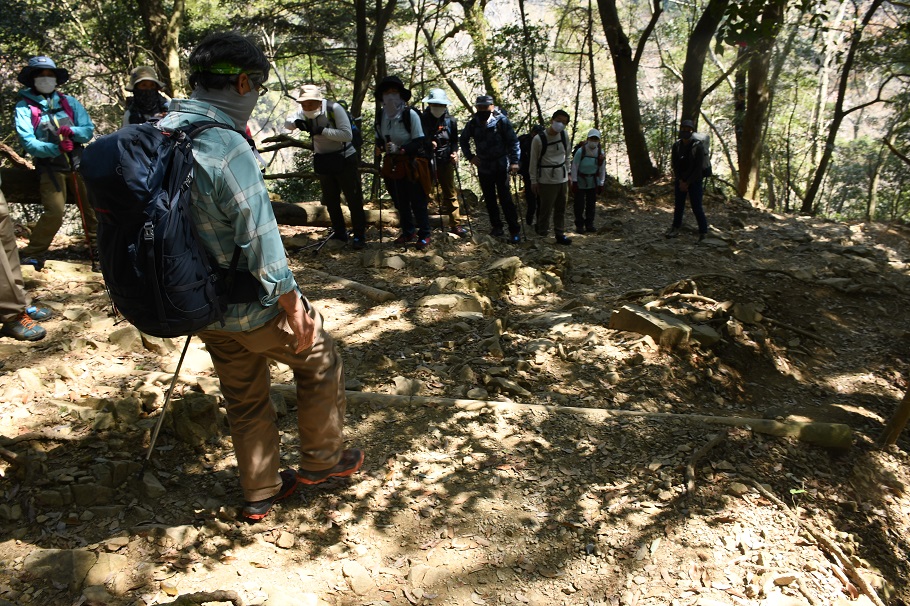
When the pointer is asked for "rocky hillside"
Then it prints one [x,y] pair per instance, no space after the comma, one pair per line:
[626,420]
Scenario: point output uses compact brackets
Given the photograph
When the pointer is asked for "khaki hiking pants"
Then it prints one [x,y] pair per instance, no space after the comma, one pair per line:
[12,294]
[448,204]
[241,360]
[52,187]
[551,200]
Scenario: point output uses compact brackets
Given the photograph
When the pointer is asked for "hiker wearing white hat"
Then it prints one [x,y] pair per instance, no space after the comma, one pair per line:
[442,131]
[52,128]
[148,102]
[588,175]
[336,159]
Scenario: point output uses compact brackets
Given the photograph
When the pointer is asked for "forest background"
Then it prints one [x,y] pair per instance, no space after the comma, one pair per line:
[806,101]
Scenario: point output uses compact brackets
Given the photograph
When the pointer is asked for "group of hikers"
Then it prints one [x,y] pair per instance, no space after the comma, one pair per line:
[232,213]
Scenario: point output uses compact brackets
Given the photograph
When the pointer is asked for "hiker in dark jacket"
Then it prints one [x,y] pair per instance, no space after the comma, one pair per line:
[687,160]
[441,130]
[496,155]
[52,128]
[148,101]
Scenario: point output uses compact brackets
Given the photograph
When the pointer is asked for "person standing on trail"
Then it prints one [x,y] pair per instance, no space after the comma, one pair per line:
[20,320]
[588,175]
[496,155]
[688,181]
[550,172]
[230,207]
[441,130]
[335,159]
[52,128]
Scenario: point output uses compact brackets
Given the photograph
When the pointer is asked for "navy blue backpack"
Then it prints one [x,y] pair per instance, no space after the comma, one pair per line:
[158,275]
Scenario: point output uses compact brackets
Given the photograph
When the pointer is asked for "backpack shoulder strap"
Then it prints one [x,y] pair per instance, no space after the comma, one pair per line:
[65,104]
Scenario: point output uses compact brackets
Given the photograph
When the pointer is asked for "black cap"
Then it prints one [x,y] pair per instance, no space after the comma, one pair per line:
[391,82]
[688,123]
[483,100]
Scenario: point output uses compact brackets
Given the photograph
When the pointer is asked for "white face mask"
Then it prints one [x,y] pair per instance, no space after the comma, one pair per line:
[592,146]
[557,126]
[438,110]
[45,84]
[312,114]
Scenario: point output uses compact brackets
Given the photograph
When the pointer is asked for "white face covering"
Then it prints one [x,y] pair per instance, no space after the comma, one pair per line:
[438,110]
[557,126]
[312,114]
[45,84]
[392,105]
[592,146]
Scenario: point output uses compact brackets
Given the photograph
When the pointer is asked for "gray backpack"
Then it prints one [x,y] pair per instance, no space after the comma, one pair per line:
[704,140]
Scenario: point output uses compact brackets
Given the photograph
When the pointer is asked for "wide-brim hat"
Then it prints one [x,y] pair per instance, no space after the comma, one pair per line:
[593,133]
[437,96]
[143,72]
[310,92]
[391,82]
[41,63]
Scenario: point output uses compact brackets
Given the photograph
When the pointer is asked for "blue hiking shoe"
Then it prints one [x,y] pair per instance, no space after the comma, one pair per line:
[23,328]
[38,315]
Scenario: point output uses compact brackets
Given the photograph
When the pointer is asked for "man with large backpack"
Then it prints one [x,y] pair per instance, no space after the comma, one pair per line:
[336,159]
[588,175]
[231,211]
[524,145]
[688,160]
[405,166]
[496,154]
[441,130]
[52,128]
[550,172]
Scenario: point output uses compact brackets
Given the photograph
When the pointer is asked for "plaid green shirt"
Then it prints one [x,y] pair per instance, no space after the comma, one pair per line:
[231,207]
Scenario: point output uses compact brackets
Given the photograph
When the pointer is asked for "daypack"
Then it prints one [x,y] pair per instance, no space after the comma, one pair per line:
[356,132]
[564,140]
[600,153]
[38,111]
[704,140]
[155,268]
[524,146]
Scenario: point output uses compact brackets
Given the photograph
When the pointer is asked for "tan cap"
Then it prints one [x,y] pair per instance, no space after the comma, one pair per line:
[143,72]
[310,92]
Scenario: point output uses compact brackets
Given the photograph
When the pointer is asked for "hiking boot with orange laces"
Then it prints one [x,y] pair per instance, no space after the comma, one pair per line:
[23,328]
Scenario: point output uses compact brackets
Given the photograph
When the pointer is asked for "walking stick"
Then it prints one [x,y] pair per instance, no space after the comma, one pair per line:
[521,224]
[464,204]
[79,203]
[167,399]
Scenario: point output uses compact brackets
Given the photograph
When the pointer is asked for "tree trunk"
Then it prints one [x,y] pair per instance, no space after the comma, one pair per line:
[758,99]
[699,42]
[529,62]
[626,68]
[368,49]
[593,73]
[434,55]
[839,113]
[479,30]
[832,43]
[163,34]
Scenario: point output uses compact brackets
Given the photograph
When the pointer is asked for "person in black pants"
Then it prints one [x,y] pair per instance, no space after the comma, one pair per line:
[497,155]
[688,181]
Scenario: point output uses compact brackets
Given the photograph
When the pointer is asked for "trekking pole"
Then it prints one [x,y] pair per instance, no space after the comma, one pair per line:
[521,224]
[78,195]
[167,399]
[464,204]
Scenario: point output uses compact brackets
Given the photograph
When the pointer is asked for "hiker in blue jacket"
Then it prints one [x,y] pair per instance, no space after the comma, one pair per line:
[496,155]
[52,128]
